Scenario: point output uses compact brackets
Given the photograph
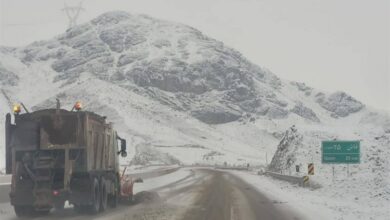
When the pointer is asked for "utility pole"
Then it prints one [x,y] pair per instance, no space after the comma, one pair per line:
[73,13]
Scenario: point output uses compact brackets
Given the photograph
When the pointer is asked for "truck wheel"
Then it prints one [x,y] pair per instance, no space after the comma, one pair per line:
[59,205]
[113,200]
[29,211]
[41,212]
[22,211]
[130,200]
[95,207]
[80,208]
[103,195]
[77,208]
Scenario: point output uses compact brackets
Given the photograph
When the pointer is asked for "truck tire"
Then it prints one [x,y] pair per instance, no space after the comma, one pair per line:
[113,200]
[95,206]
[59,205]
[29,211]
[130,200]
[41,212]
[103,195]
[80,208]
[23,211]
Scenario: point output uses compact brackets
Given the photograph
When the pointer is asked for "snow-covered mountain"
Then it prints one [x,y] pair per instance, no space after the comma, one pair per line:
[175,93]
[179,96]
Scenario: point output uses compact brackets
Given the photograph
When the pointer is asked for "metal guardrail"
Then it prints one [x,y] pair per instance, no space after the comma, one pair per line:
[4,193]
[5,179]
[301,181]
[221,167]
[153,173]
[5,188]
[231,168]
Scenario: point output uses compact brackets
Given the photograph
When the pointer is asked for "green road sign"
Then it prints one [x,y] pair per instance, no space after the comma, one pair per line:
[340,151]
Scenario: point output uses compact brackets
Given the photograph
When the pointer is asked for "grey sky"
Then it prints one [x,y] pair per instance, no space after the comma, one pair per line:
[328,44]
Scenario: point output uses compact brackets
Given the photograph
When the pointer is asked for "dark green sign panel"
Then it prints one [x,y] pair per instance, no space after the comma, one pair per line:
[340,151]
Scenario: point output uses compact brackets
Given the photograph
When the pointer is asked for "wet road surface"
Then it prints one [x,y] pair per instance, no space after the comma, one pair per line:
[201,194]
[226,197]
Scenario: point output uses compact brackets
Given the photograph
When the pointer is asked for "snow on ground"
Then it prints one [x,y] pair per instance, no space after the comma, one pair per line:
[368,180]
[326,203]
[161,181]
[148,168]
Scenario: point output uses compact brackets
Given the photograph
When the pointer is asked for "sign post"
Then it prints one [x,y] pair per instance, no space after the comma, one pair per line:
[333,174]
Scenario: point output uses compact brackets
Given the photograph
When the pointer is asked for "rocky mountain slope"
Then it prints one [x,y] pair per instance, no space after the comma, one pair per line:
[177,94]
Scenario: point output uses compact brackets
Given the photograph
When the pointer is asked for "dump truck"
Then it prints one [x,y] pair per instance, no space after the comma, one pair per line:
[56,155]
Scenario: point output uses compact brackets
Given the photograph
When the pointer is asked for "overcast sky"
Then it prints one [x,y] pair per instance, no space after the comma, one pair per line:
[328,44]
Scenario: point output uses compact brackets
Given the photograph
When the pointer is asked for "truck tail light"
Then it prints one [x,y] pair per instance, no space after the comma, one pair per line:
[56,193]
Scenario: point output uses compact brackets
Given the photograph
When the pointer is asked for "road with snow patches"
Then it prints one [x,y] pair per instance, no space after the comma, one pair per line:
[182,194]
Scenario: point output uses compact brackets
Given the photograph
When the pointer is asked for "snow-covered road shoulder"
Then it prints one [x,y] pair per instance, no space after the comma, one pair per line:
[319,204]
[162,181]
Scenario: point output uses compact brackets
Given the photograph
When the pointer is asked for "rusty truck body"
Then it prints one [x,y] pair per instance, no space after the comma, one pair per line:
[56,155]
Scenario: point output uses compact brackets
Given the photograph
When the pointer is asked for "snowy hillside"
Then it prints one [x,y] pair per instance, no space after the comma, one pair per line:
[176,94]
[358,191]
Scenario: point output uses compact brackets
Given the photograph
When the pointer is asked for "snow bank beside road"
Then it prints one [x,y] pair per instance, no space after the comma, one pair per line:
[5,179]
[143,169]
[326,203]
[364,186]
[162,181]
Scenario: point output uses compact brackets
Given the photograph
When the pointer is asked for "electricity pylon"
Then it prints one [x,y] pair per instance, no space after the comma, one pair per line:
[73,13]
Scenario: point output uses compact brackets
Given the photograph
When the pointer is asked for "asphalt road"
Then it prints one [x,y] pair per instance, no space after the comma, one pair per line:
[203,194]
[226,197]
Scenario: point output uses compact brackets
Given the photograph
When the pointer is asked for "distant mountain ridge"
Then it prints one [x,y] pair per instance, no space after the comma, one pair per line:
[214,82]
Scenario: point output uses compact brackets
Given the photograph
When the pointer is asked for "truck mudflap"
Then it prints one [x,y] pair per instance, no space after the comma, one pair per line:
[80,191]
[43,199]
[21,188]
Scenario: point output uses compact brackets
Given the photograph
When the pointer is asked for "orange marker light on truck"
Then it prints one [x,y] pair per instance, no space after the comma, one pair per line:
[16,109]
[78,106]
